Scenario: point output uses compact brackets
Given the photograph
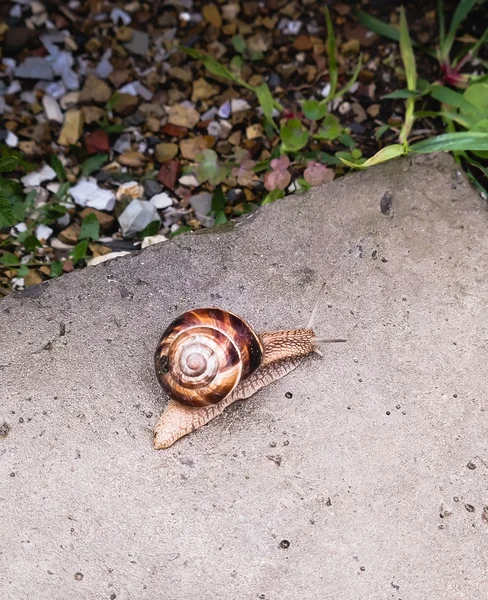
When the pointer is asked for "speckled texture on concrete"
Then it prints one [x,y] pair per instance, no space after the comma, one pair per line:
[375,471]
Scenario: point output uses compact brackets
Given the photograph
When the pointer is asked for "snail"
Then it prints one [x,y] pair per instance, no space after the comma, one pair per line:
[208,358]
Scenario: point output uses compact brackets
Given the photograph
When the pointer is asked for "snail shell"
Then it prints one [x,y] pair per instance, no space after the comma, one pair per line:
[204,354]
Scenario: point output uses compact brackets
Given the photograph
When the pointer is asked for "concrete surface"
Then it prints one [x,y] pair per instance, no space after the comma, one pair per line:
[382,485]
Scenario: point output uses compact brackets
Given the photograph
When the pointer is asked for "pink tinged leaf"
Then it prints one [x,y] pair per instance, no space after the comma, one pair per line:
[316,173]
[278,164]
[276,180]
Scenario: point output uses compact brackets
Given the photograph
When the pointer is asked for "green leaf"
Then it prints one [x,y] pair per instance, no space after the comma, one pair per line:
[79,251]
[218,206]
[8,163]
[383,155]
[314,110]
[453,142]
[18,209]
[29,241]
[455,99]
[57,165]
[94,163]
[406,51]
[113,101]
[182,229]
[8,259]
[477,95]
[218,200]
[151,229]
[22,271]
[273,196]
[378,26]
[331,50]
[265,100]
[209,168]
[293,135]
[220,217]
[239,44]
[56,269]
[62,192]
[331,129]
[6,217]
[462,10]
[90,228]
[380,131]
[402,94]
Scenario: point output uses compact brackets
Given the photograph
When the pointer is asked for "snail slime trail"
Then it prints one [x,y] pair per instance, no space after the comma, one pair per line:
[208,358]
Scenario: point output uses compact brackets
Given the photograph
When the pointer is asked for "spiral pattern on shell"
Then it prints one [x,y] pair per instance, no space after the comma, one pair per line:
[204,353]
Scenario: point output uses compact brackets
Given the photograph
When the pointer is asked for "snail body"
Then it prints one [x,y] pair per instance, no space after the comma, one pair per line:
[208,358]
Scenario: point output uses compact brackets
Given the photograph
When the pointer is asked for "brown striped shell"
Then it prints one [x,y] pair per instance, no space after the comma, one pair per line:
[203,355]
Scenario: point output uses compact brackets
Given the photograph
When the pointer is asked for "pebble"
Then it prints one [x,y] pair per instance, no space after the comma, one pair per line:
[225,110]
[184,116]
[152,187]
[137,216]
[34,67]
[52,109]
[123,143]
[118,15]
[43,232]
[130,189]
[153,239]
[139,43]
[189,181]
[87,193]
[72,127]
[12,140]
[35,178]
[57,244]
[201,204]
[105,257]
[161,201]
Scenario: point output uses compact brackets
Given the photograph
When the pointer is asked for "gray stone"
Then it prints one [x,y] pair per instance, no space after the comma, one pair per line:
[368,482]
[152,187]
[139,43]
[34,67]
[137,216]
[201,204]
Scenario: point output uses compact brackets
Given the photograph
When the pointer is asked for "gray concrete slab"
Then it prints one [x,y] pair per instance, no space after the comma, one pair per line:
[382,485]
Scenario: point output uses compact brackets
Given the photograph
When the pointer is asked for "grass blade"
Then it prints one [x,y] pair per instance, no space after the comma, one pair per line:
[463,9]
[453,142]
[382,155]
[378,26]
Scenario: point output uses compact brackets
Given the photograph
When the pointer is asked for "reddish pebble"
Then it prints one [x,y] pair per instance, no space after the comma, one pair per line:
[168,174]
[68,266]
[97,142]
[174,130]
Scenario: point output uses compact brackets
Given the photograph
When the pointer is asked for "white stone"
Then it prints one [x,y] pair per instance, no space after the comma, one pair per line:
[161,201]
[52,109]
[57,244]
[189,181]
[16,11]
[117,14]
[64,221]
[14,88]
[87,193]
[43,232]
[153,239]
[71,80]
[34,67]
[35,178]
[136,217]
[238,105]
[11,140]
[70,100]
[92,262]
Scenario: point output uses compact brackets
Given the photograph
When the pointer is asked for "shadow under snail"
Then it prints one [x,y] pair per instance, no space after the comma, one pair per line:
[209,358]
